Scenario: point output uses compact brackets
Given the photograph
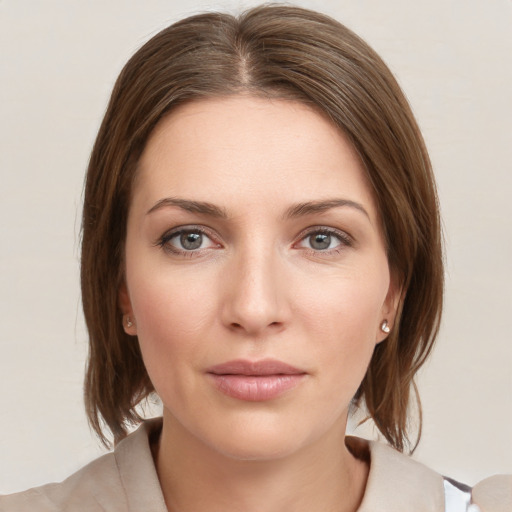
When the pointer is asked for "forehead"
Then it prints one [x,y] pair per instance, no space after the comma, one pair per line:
[246,148]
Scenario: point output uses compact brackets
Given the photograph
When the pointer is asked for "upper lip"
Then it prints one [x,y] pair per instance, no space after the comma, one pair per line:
[252,368]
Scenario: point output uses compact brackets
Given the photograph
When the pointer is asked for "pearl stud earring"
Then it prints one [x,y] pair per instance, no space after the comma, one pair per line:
[384,327]
[128,322]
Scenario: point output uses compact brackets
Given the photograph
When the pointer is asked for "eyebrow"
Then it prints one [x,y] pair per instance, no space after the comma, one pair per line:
[201,207]
[297,210]
[308,208]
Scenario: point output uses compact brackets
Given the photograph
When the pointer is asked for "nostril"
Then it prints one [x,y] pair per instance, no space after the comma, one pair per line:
[237,326]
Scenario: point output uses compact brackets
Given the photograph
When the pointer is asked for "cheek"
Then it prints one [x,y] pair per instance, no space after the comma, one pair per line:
[342,315]
[350,303]
[169,300]
[172,317]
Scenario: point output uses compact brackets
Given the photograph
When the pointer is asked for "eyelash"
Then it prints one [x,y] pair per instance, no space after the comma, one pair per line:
[344,239]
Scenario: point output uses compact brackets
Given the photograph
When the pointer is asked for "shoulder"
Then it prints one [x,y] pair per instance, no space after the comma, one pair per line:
[95,487]
[125,479]
[494,494]
[399,483]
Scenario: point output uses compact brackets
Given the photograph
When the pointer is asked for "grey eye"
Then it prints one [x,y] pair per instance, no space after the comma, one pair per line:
[191,240]
[320,241]
[187,240]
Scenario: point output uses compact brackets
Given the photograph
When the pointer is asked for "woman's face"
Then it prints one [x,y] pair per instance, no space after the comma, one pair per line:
[256,275]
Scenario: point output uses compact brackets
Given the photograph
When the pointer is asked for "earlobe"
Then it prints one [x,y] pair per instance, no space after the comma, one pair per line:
[128,319]
[129,325]
[390,309]
[383,331]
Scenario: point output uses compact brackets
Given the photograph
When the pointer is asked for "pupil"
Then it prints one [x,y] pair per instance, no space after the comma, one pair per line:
[191,240]
[320,241]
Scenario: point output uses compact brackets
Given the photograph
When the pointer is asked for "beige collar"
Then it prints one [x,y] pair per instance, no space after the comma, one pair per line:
[137,470]
[396,483]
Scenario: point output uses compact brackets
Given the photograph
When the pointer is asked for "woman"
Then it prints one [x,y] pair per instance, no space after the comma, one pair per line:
[261,247]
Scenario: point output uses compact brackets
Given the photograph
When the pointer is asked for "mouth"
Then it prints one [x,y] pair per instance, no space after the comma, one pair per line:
[255,381]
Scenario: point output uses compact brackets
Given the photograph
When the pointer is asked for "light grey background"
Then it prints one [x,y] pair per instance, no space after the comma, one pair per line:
[58,62]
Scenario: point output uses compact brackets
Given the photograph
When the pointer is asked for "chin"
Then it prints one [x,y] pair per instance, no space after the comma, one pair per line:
[257,447]
[262,438]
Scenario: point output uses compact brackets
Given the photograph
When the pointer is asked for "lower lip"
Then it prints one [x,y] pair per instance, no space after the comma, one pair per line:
[255,388]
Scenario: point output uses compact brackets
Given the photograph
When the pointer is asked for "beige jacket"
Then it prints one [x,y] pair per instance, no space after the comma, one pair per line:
[126,481]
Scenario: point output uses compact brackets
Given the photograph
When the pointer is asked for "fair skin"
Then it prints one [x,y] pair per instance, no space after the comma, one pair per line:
[285,262]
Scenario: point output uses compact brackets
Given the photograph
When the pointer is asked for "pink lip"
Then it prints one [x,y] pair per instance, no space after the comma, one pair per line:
[255,381]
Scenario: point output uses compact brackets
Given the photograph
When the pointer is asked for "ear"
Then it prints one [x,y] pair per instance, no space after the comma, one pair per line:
[389,308]
[125,304]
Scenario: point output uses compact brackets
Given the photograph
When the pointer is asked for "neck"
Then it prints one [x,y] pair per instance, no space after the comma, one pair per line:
[323,476]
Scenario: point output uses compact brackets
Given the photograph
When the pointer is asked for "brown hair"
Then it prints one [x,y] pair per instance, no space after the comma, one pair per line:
[271,51]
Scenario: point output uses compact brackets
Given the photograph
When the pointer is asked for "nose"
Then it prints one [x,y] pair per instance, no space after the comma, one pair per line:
[255,301]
